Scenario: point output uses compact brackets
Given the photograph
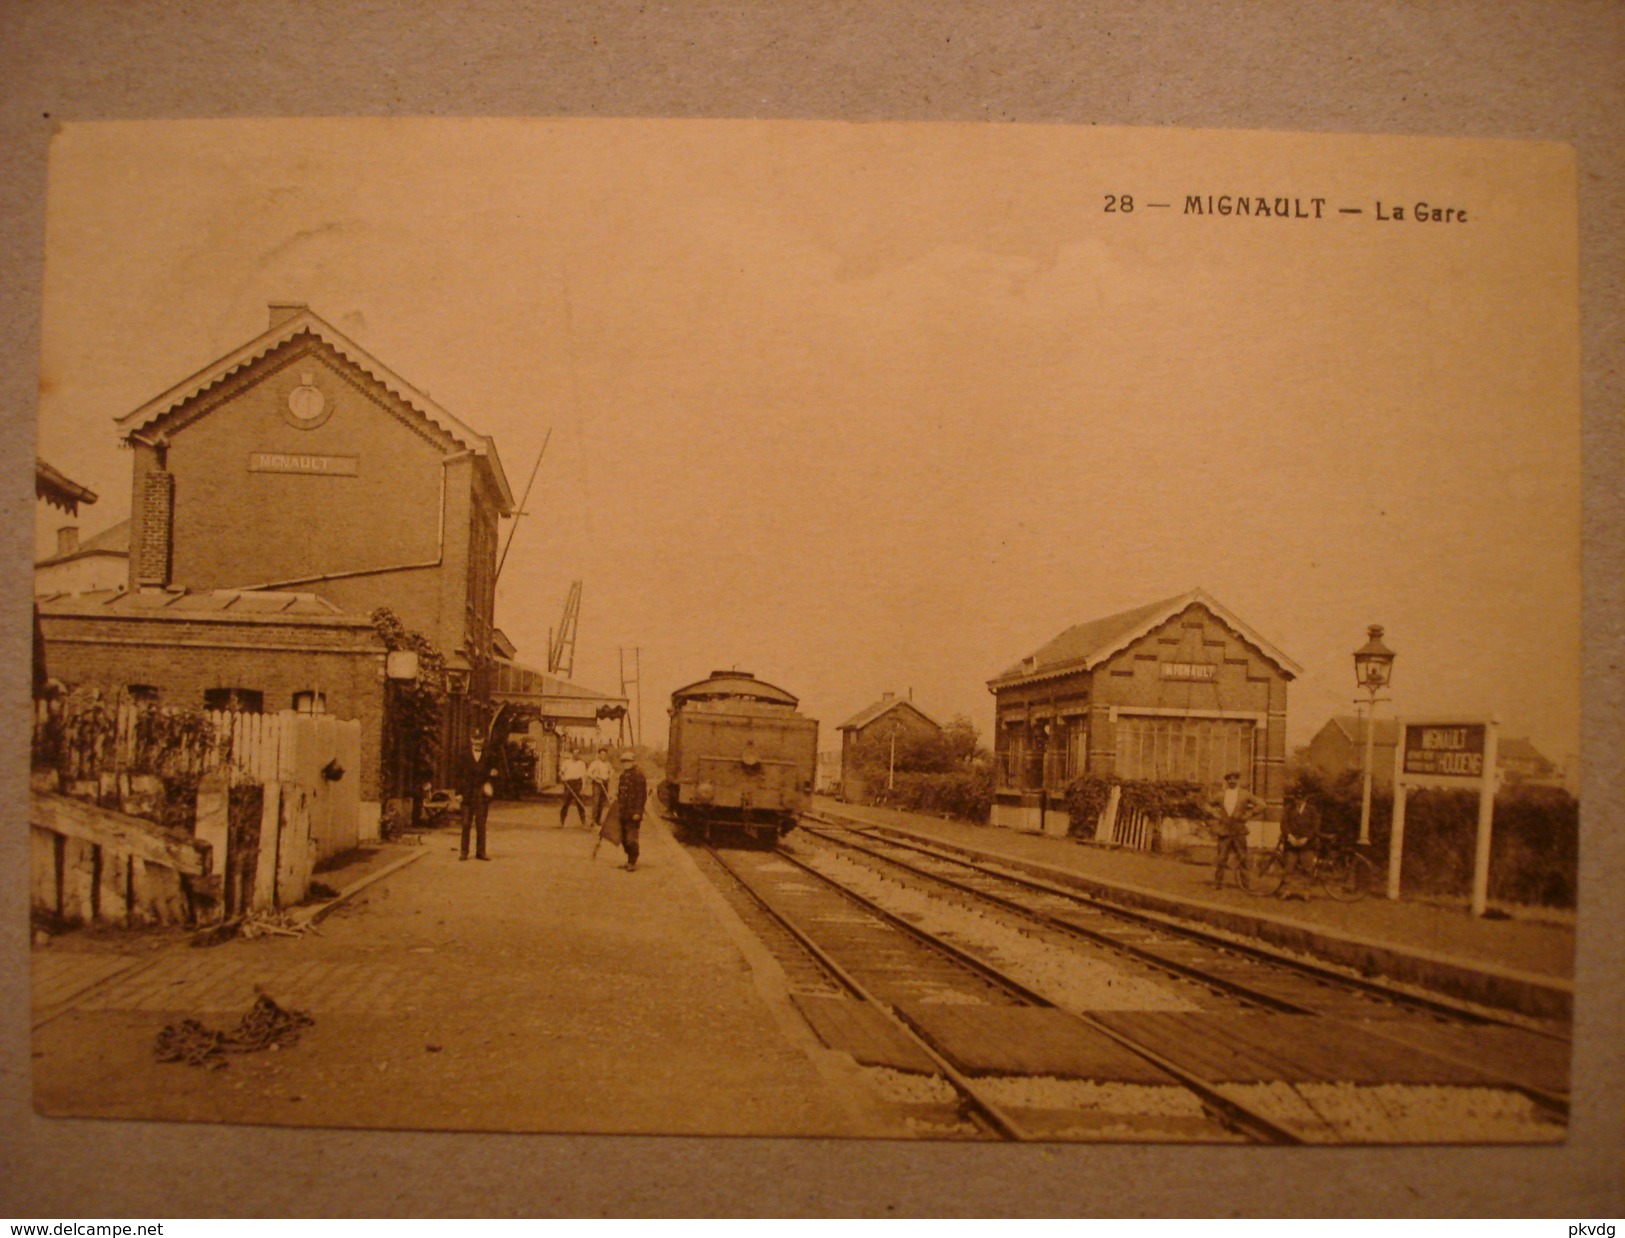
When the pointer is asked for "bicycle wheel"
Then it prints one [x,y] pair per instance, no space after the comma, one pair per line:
[1269,874]
[1347,877]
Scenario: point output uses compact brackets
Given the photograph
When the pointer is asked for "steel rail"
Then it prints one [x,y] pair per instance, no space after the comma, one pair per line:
[1227,1110]
[927,938]
[1435,1005]
[1140,953]
[1549,1100]
[990,1113]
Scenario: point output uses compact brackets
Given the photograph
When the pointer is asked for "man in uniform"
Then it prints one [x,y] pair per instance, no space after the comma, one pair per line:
[630,796]
[1231,809]
[573,774]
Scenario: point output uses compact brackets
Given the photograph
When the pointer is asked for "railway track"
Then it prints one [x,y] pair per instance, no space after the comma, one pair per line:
[1309,987]
[1257,1046]
[1507,1053]
[914,983]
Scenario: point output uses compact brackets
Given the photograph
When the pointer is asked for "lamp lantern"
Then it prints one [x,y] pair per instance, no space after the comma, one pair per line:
[1373,661]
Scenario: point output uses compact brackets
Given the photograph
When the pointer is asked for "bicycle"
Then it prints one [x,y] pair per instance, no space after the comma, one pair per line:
[1335,866]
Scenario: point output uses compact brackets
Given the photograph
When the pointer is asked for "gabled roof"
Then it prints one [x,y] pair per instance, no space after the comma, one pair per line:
[114,540]
[58,489]
[1085,645]
[306,322]
[1385,734]
[1518,748]
[880,709]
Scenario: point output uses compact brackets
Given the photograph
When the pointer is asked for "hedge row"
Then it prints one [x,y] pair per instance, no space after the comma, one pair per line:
[966,794]
[1534,840]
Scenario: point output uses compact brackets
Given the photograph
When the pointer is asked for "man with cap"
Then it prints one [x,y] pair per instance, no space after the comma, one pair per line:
[573,774]
[630,795]
[599,775]
[1231,809]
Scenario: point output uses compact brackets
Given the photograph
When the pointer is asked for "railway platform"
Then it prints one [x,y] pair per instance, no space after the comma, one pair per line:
[1515,964]
[544,990]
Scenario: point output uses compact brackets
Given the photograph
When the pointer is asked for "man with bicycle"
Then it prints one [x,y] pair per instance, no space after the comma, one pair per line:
[1300,836]
[1231,809]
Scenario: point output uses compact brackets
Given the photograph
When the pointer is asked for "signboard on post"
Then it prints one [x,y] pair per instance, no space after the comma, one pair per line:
[1453,750]
[1446,754]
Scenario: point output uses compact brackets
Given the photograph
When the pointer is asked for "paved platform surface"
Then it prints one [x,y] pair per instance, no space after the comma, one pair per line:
[1542,953]
[542,991]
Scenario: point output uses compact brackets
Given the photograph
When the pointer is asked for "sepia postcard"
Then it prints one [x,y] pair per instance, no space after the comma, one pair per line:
[935,632]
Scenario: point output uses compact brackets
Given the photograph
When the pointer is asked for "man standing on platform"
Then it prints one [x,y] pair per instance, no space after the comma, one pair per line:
[1231,809]
[479,785]
[1300,835]
[630,796]
[573,774]
[599,775]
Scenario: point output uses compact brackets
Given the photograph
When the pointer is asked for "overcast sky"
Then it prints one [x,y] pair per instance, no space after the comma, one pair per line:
[878,407]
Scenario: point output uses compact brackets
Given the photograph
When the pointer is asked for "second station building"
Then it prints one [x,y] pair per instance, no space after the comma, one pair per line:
[1177,690]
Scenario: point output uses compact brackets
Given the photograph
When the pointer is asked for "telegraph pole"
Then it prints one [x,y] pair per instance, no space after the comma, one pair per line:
[635,718]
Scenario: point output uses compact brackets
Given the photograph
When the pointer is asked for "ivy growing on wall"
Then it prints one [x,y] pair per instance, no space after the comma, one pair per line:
[411,739]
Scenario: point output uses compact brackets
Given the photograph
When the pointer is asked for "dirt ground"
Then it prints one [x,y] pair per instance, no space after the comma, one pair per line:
[542,991]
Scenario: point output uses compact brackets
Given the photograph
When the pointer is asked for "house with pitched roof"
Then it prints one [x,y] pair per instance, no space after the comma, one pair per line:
[299,466]
[1181,689]
[101,561]
[890,717]
[1339,748]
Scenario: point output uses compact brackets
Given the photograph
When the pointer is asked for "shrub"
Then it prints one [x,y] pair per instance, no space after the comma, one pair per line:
[1156,799]
[1534,842]
[967,794]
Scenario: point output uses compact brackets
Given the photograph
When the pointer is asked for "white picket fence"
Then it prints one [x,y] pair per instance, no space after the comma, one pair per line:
[102,742]
[248,747]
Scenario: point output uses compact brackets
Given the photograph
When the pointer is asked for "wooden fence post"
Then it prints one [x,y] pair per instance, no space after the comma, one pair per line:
[265,868]
[295,848]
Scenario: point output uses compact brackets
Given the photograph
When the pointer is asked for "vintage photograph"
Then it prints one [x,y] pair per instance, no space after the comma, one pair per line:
[783,628]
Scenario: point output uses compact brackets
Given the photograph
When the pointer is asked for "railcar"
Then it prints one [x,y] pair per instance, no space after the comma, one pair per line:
[740,760]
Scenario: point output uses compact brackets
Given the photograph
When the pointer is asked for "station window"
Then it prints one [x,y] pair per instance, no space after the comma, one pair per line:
[234,700]
[141,693]
[310,702]
[1187,749]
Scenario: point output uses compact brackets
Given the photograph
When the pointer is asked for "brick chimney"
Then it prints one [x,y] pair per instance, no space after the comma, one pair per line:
[283,311]
[67,539]
[886,698]
[151,558]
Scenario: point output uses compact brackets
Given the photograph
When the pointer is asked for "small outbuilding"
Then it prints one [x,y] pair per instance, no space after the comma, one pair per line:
[101,561]
[1177,690]
[892,718]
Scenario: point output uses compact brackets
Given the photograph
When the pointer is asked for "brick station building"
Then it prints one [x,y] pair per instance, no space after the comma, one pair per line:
[1180,689]
[278,496]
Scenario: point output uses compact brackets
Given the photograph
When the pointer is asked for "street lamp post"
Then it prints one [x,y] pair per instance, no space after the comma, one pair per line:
[891,764]
[1373,666]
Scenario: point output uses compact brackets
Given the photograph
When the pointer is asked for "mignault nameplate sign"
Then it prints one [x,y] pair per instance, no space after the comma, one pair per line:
[292,462]
[1455,749]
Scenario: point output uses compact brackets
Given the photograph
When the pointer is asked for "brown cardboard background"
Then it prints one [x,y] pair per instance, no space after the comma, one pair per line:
[1537,70]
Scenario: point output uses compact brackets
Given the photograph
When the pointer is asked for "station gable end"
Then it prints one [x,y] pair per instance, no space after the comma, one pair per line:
[265,497]
[1192,660]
